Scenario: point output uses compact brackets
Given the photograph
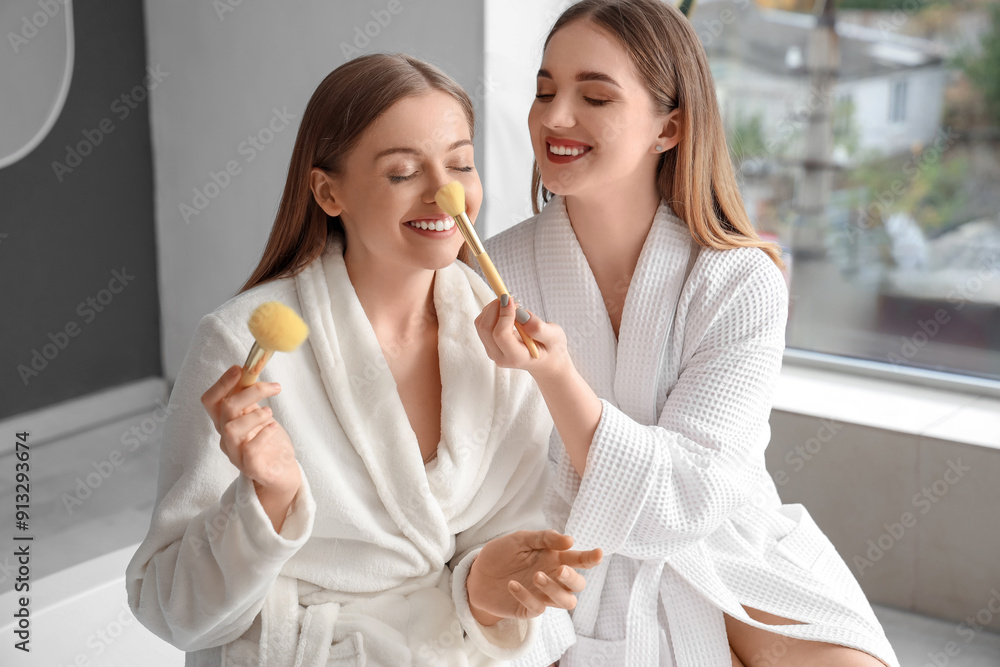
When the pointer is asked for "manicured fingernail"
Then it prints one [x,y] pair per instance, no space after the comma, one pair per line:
[275,385]
[522,316]
[232,372]
[541,578]
[504,300]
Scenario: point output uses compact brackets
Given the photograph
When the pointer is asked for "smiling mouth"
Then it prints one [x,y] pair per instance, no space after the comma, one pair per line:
[438,225]
[568,151]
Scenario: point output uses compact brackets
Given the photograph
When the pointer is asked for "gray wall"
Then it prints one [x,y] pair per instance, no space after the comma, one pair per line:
[65,238]
[228,72]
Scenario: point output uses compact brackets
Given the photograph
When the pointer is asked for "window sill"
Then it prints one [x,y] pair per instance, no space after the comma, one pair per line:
[944,413]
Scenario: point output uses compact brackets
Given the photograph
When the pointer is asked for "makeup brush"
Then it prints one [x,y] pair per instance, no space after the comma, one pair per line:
[275,327]
[451,199]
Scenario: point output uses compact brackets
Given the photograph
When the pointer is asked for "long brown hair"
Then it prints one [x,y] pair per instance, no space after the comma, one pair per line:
[696,177]
[341,108]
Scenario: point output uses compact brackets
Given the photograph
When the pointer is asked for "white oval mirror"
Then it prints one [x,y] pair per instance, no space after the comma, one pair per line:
[35,71]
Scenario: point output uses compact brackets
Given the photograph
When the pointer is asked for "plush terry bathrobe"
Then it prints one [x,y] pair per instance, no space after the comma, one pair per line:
[675,490]
[371,561]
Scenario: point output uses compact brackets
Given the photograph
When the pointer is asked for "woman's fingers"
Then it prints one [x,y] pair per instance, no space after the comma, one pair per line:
[269,458]
[210,399]
[547,334]
[557,594]
[240,431]
[485,324]
[531,606]
[507,338]
[569,579]
[548,539]
[581,559]
[245,400]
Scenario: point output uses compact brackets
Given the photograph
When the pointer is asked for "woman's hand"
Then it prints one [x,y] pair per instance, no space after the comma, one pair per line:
[575,408]
[504,346]
[254,442]
[520,574]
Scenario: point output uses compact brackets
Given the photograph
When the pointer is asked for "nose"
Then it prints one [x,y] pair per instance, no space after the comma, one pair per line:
[438,177]
[558,113]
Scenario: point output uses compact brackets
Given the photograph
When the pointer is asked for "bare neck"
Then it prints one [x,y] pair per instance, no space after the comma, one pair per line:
[398,300]
[611,226]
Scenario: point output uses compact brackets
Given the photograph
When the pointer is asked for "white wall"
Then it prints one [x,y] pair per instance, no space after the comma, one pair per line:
[226,73]
[515,32]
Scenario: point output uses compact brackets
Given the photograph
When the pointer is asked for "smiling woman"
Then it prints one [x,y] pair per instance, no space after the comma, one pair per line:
[352,514]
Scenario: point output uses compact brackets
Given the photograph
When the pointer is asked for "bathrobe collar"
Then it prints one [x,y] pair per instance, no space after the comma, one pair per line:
[364,396]
[626,375]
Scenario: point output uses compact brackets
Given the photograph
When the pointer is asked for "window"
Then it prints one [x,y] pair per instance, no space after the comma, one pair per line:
[897,102]
[893,237]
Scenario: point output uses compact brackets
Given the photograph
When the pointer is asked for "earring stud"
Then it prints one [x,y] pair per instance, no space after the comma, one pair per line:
[659,149]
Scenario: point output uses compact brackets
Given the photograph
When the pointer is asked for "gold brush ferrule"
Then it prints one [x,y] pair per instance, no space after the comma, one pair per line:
[469,234]
[254,364]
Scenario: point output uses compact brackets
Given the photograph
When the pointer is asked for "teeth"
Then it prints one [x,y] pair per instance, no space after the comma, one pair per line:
[566,150]
[435,225]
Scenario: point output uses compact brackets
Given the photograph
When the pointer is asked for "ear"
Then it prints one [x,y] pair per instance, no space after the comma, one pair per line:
[323,189]
[670,133]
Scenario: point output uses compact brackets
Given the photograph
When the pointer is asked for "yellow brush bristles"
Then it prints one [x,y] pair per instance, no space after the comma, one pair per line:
[275,326]
[451,199]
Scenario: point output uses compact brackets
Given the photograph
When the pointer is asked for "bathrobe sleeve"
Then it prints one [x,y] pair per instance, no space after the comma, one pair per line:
[649,491]
[521,458]
[211,554]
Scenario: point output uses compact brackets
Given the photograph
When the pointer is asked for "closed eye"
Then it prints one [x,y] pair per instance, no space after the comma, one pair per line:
[400,179]
[595,102]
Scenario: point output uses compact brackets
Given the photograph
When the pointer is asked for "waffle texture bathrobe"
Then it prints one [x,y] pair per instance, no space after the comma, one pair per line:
[675,490]
[371,562]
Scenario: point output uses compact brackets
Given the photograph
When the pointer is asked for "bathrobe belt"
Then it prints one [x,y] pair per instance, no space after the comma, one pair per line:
[299,620]
[281,631]
[688,614]
[293,635]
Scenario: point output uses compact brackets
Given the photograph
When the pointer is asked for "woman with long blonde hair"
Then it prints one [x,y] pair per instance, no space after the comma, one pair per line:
[380,506]
[660,315]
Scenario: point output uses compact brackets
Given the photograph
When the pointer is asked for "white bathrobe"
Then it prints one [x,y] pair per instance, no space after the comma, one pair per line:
[372,558]
[675,490]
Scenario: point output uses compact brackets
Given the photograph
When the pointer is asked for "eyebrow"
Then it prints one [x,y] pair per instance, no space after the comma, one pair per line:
[413,151]
[584,76]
